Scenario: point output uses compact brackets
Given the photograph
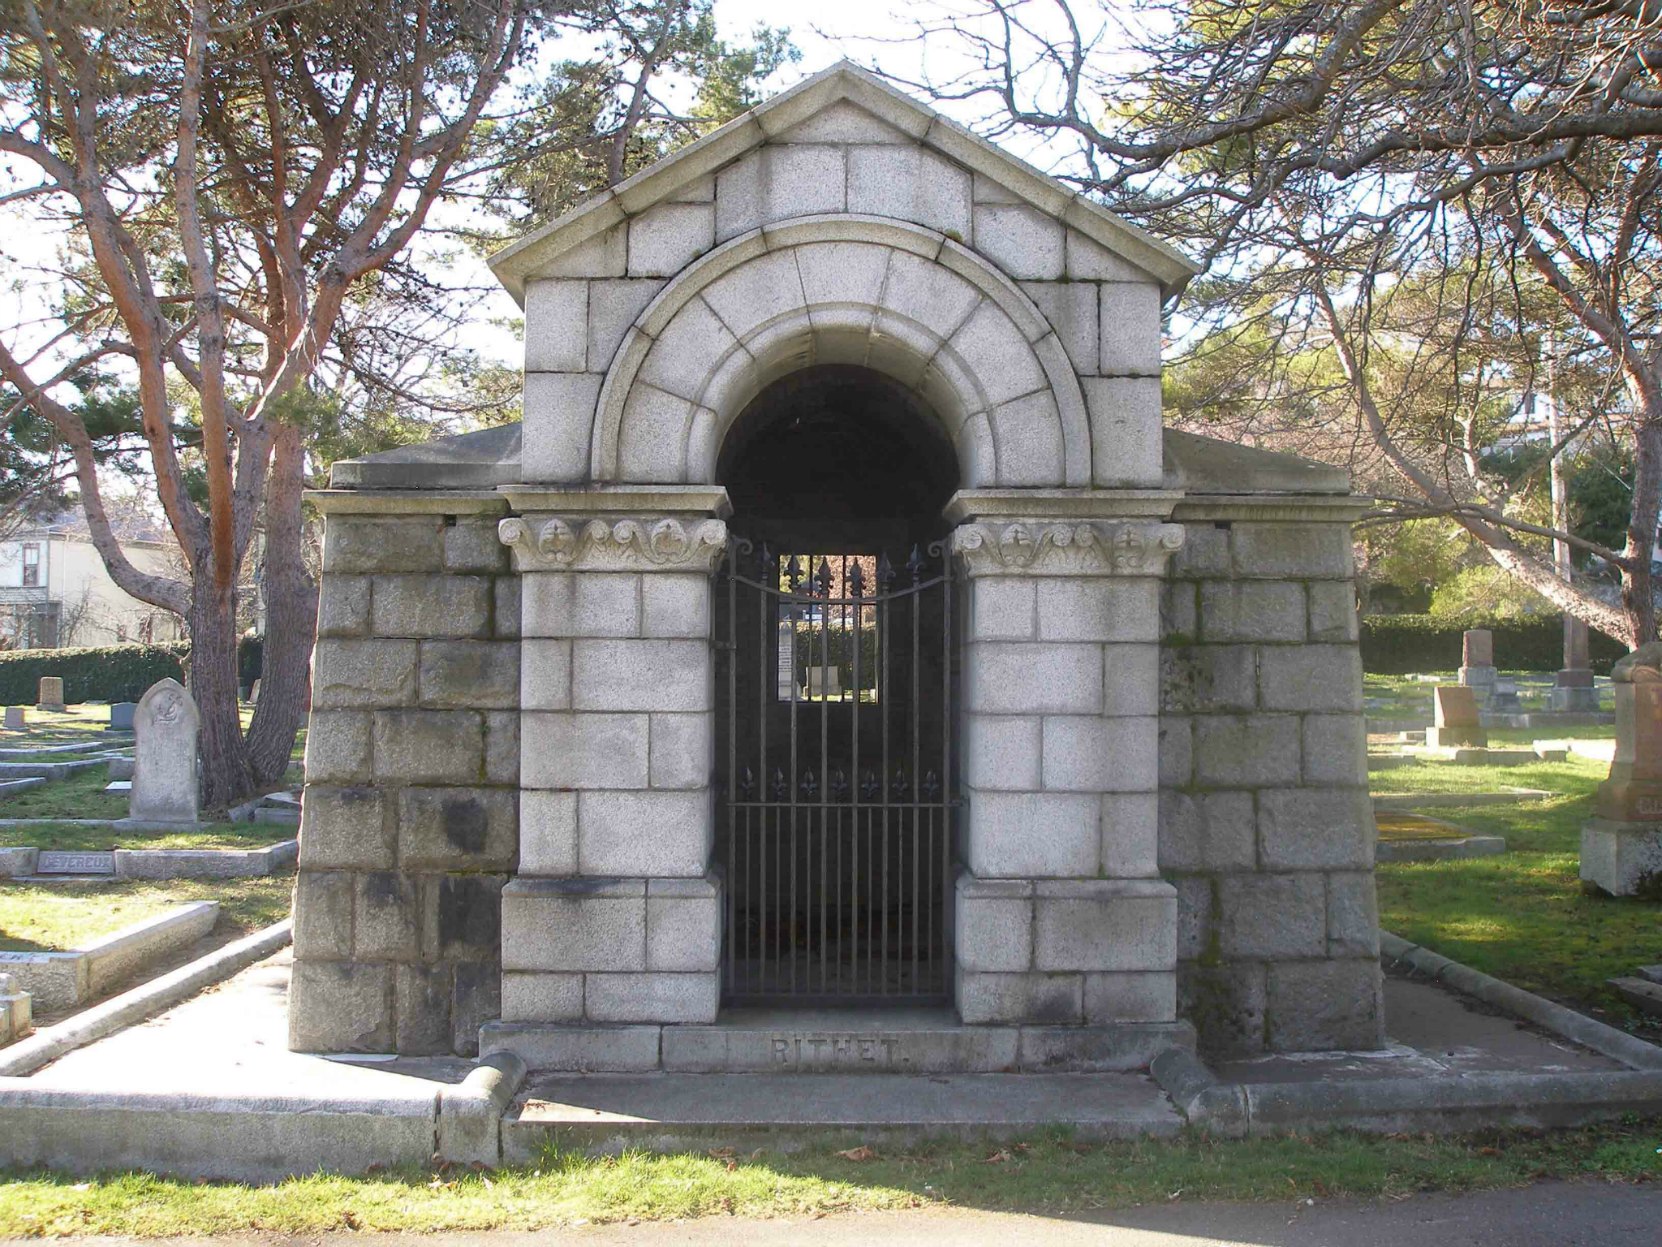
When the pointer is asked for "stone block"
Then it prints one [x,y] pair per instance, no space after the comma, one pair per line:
[665,239]
[1333,611]
[1020,240]
[337,746]
[572,925]
[1085,753]
[1177,754]
[994,926]
[386,917]
[505,608]
[502,747]
[928,294]
[641,675]
[581,604]
[1043,999]
[1002,752]
[675,604]
[1208,678]
[1292,551]
[778,182]
[1089,260]
[680,358]
[842,272]
[1125,431]
[747,298]
[1002,608]
[1335,749]
[1622,859]
[1317,1006]
[481,674]
[909,183]
[323,915]
[1130,321]
[1131,997]
[547,832]
[1204,554]
[1130,680]
[344,828]
[348,673]
[584,751]
[1211,831]
[1272,916]
[422,997]
[556,325]
[1130,834]
[659,834]
[1246,751]
[1179,612]
[559,416]
[683,925]
[844,122]
[1003,357]
[476,1000]
[431,606]
[341,1007]
[457,829]
[613,307]
[542,997]
[472,546]
[1251,610]
[681,746]
[1196,921]
[1071,309]
[429,746]
[657,426]
[461,917]
[1226,1003]
[1310,677]
[652,997]
[544,674]
[1352,915]
[343,606]
[1034,678]
[1104,925]
[1099,609]
[1033,834]
[1315,829]
[600,256]
[354,544]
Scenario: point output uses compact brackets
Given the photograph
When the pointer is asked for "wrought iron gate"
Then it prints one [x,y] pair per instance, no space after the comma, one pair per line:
[836,835]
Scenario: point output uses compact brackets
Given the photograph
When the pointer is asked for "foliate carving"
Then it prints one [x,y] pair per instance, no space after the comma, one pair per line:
[1066,549]
[613,545]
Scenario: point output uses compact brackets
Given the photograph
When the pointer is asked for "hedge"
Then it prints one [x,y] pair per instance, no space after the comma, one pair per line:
[1403,644]
[107,673]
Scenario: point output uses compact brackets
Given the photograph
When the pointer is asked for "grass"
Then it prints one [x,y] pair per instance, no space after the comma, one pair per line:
[1402,697]
[1052,1175]
[80,795]
[63,916]
[1574,778]
[73,838]
[73,723]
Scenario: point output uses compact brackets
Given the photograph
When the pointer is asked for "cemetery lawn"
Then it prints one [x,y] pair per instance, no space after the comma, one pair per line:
[65,916]
[1521,916]
[80,795]
[1046,1174]
[74,838]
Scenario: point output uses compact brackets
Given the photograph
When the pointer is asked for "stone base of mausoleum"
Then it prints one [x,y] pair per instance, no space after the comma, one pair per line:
[899,1041]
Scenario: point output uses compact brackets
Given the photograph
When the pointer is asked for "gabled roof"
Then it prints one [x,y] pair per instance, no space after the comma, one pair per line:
[774,116]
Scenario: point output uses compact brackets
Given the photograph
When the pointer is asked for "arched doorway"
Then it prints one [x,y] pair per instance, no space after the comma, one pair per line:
[835,687]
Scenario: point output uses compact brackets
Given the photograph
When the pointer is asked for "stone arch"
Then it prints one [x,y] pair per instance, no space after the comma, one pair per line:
[899,298]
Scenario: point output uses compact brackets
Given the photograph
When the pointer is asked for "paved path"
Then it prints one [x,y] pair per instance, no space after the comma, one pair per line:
[1549,1214]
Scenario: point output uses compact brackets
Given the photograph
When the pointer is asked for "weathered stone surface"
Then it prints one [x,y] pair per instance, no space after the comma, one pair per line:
[1020,240]
[483,674]
[1033,834]
[1034,678]
[666,239]
[457,829]
[1103,925]
[1130,329]
[355,544]
[429,746]
[1226,1002]
[370,672]
[431,606]
[683,925]
[1208,678]
[994,930]
[654,834]
[473,546]
[1314,828]
[1455,718]
[547,833]
[640,675]
[1318,1005]
[165,782]
[680,747]
[461,916]
[542,997]
[1272,916]
[1294,551]
[386,916]
[343,606]
[906,182]
[1246,751]
[1477,648]
[1352,915]
[1251,610]
[1085,753]
[1052,999]
[586,751]
[556,316]
[1335,749]
[573,930]
[1207,831]
[1131,997]
[1310,677]
[323,915]
[337,746]
[1105,609]
[1332,611]
[667,998]
[341,1007]
[1130,834]
[422,997]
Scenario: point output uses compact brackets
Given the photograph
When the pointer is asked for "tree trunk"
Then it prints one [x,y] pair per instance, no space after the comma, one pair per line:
[290,617]
[226,776]
[1638,586]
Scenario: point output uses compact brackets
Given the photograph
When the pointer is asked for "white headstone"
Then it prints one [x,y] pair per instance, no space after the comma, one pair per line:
[15,720]
[164,764]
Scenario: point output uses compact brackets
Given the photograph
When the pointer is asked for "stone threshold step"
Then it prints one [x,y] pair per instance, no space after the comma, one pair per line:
[916,1042]
[610,1112]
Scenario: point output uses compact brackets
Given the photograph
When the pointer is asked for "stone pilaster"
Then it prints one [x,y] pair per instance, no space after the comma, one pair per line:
[1062,916]
[614,915]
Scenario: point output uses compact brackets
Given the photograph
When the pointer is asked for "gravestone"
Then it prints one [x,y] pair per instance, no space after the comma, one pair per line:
[1621,846]
[164,765]
[1454,718]
[1504,699]
[254,693]
[121,768]
[15,719]
[14,1010]
[1573,687]
[1477,662]
[121,716]
[49,696]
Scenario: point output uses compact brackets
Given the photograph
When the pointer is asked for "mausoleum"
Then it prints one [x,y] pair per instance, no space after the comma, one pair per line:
[840,666]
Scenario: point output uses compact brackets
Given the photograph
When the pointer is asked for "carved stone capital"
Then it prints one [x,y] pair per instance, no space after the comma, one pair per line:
[1058,548]
[634,544]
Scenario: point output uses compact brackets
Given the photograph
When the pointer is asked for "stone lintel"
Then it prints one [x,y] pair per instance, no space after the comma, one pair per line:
[407,501]
[588,543]
[1065,547]
[1271,508]
[682,501]
[1040,505]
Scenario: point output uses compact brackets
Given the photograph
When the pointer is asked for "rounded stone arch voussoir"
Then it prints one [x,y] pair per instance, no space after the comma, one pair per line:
[901,299]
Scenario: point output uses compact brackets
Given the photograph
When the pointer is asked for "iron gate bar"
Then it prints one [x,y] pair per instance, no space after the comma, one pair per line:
[878,929]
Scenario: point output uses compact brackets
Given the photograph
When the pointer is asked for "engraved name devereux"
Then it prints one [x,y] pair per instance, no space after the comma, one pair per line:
[795,1049]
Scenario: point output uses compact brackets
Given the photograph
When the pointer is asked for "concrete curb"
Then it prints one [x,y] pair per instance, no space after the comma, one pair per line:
[63,980]
[146,1000]
[1630,1050]
[470,1115]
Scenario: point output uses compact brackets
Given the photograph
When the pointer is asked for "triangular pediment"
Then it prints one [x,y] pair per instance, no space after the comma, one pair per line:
[842,104]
